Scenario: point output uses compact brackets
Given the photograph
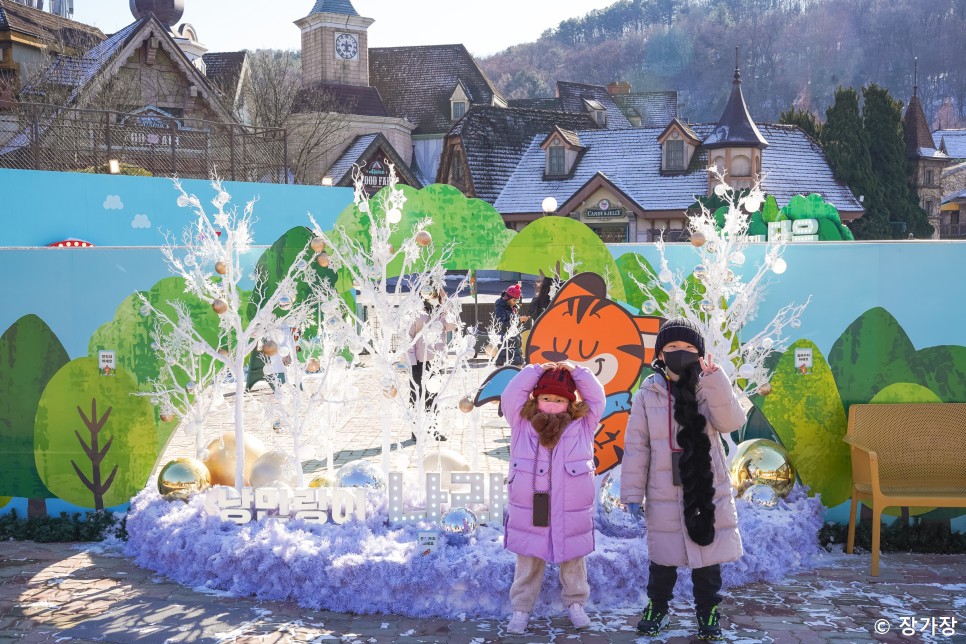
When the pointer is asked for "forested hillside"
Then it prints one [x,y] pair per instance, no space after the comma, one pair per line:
[793,53]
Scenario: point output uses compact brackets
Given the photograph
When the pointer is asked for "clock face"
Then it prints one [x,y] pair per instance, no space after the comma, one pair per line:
[346,46]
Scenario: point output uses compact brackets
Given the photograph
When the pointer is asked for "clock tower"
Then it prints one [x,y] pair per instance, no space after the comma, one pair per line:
[335,44]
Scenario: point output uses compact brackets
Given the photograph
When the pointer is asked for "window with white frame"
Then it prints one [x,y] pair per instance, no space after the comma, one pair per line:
[674,154]
[459,109]
[556,159]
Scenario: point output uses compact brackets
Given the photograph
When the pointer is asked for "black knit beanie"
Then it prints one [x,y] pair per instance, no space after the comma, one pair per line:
[679,329]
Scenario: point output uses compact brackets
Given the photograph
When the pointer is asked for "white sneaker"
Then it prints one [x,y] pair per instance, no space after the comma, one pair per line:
[578,617]
[518,623]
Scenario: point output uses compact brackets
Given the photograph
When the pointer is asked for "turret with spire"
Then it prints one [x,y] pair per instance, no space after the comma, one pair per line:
[926,161]
[735,144]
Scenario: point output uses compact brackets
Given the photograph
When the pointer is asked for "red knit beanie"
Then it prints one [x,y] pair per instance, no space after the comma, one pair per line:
[514,291]
[557,382]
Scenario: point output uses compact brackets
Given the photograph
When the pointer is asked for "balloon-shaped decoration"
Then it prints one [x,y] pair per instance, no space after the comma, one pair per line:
[219,306]
[323,260]
[401,367]
[285,302]
[423,238]
[318,244]
[394,216]
[761,494]
[166,416]
[223,352]
[312,365]
[765,389]
[698,239]
[459,525]
[271,468]
[221,268]
[491,350]
[360,474]
[269,347]
[182,477]
[321,480]
[221,458]
[761,461]
[466,404]
[390,391]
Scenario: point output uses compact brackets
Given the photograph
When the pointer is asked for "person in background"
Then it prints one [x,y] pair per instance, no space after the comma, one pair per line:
[423,350]
[506,308]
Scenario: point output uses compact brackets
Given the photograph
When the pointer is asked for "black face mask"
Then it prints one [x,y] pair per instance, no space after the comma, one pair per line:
[680,361]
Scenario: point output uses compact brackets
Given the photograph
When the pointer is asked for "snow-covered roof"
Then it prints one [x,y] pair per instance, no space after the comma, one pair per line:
[631,159]
[352,154]
[655,108]
[576,97]
[954,140]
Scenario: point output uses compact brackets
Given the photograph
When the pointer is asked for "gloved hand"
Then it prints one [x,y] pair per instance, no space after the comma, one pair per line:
[634,509]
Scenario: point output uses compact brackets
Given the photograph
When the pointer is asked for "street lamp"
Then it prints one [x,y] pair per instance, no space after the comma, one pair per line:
[114,166]
[549,206]
[327,182]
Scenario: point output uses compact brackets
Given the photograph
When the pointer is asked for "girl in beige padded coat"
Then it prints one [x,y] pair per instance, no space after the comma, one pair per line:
[690,517]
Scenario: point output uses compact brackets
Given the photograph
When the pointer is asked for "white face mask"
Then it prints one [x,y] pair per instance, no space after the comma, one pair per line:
[433,300]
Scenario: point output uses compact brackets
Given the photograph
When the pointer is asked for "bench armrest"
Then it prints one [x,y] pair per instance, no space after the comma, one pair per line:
[865,467]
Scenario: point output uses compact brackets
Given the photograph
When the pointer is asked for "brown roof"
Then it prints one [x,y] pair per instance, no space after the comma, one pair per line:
[916,130]
[416,83]
[48,26]
[344,99]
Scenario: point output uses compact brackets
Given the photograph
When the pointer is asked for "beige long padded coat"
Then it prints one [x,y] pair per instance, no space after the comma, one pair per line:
[646,472]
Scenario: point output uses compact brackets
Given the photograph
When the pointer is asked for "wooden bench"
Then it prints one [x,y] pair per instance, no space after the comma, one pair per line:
[905,455]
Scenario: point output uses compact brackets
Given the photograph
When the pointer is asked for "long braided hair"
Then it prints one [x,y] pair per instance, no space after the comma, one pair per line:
[697,471]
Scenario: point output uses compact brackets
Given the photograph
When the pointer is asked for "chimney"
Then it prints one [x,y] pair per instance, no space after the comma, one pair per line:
[621,87]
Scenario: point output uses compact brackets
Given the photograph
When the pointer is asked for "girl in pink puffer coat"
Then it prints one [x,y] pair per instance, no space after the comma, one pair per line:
[679,470]
[551,482]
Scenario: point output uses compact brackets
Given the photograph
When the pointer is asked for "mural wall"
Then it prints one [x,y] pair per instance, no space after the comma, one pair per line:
[883,324]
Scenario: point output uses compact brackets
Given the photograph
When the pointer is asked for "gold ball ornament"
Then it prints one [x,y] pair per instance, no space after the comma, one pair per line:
[491,350]
[466,404]
[223,352]
[182,477]
[762,462]
[272,468]
[221,268]
[321,480]
[318,244]
[698,239]
[312,365]
[423,238]
[269,347]
[323,260]
[219,306]
[390,392]
[166,417]
[445,461]
[221,458]
[765,389]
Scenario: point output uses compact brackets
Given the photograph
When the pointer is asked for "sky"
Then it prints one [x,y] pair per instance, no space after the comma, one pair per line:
[484,27]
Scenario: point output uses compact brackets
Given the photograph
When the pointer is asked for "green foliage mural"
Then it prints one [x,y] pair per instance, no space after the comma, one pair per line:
[807,414]
[905,392]
[830,226]
[861,358]
[478,230]
[30,354]
[549,240]
[629,266]
[94,442]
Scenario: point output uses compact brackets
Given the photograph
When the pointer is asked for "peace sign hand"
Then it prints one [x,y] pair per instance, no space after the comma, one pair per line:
[707,367]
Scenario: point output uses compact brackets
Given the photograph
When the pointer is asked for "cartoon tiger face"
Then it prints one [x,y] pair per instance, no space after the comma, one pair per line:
[583,326]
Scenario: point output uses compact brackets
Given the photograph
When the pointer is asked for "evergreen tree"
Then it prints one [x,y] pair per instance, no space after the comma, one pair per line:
[805,121]
[846,145]
[882,121]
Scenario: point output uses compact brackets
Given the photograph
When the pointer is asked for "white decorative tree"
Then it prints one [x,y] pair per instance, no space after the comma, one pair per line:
[389,304]
[210,260]
[717,298]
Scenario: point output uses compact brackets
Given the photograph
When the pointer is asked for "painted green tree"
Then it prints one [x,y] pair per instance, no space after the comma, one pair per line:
[30,354]
[830,226]
[94,443]
[476,229]
[806,412]
[549,240]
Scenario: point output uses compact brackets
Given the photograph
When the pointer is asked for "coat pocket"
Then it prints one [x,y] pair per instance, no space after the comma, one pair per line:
[520,482]
[579,488]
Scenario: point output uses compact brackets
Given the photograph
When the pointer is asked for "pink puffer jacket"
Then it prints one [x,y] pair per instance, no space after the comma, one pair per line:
[646,472]
[571,531]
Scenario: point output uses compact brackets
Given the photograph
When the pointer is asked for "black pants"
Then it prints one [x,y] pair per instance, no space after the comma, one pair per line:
[707,584]
[417,388]
[512,354]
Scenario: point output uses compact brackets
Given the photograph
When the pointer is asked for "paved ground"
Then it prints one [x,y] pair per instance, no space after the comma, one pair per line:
[85,592]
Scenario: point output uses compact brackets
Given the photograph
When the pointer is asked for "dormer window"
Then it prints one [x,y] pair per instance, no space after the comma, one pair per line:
[678,143]
[459,101]
[562,147]
[459,109]
[597,111]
